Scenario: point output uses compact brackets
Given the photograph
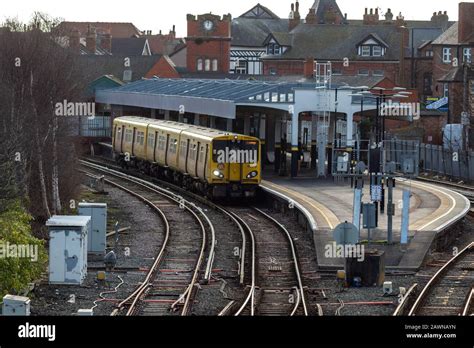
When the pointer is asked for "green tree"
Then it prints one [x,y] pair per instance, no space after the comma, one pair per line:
[15,230]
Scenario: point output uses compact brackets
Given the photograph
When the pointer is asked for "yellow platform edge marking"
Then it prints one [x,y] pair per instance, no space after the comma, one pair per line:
[331,219]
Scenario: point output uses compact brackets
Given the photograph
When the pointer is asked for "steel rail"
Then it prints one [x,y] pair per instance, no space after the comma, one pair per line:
[468,303]
[251,295]
[170,195]
[424,293]
[295,258]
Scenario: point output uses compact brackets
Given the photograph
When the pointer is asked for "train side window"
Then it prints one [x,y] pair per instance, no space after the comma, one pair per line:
[161,143]
[173,145]
[201,154]
[128,135]
[182,149]
[193,152]
[151,140]
[140,138]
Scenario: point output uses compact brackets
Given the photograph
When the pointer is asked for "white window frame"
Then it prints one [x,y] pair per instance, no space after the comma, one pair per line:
[207,65]
[214,64]
[361,74]
[445,90]
[365,51]
[447,54]
[199,64]
[379,53]
[467,54]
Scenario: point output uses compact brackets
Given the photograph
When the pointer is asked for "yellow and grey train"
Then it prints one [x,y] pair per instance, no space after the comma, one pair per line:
[215,163]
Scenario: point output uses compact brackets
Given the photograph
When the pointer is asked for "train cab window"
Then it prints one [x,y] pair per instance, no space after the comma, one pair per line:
[161,143]
[140,138]
[151,140]
[128,135]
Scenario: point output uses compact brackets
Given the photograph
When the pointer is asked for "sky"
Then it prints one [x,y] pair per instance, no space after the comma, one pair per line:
[163,14]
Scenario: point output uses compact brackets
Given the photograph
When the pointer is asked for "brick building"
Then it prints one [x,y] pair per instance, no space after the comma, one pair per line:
[452,60]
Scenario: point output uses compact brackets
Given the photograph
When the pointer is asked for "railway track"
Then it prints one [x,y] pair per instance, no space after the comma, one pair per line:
[169,285]
[276,287]
[281,291]
[449,291]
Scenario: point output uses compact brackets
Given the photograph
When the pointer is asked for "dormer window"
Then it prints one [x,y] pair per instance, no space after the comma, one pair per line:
[273,49]
[372,46]
[371,51]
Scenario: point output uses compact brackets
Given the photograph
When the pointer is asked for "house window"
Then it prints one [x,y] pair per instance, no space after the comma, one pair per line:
[274,49]
[446,55]
[379,73]
[363,72]
[241,67]
[377,51]
[429,53]
[467,53]
[207,65]
[273,71]
[336,71]
[445,90]
[214,65]
[199,64]
[365,51]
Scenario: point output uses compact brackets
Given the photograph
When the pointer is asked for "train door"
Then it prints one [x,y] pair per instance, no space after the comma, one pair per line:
[187,157]
[206,155]
[133,141]
[166,149]
[155,146]
[121,138]
[198,149]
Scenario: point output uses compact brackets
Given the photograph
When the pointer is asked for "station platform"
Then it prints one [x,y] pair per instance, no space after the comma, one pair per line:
[433,209]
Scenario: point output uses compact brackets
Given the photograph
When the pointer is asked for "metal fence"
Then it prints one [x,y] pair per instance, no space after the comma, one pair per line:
[435,159]
[97,127]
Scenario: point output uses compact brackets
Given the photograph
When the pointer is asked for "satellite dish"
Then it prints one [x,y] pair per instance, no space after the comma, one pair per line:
[346,234]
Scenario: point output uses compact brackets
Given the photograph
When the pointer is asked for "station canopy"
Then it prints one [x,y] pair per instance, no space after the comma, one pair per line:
[201,96]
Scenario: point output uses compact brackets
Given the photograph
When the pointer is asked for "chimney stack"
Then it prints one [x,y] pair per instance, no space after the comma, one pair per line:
[309,68]
[441,20]
[466,22]
[91,40]
[371,18]
[106,42]
[389,16]
[311,17]
[296,18]
[75,40]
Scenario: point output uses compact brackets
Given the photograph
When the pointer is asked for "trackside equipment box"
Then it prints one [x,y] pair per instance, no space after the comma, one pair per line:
[68,249]
[16,306]
[96,239]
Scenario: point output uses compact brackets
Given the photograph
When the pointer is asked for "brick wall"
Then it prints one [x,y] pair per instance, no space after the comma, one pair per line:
[213,44]
[163,69]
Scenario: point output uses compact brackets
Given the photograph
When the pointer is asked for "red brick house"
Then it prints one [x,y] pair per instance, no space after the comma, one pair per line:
[452,61]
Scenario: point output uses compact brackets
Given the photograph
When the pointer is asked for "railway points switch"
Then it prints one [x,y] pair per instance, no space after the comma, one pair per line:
[68,249]
[16,306]
[96,241]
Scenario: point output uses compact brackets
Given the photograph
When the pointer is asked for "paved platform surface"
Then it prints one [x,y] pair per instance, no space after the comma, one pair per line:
[432,209]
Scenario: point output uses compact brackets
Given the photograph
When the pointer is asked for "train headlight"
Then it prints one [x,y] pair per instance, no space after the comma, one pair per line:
[218,174]
[252,175]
